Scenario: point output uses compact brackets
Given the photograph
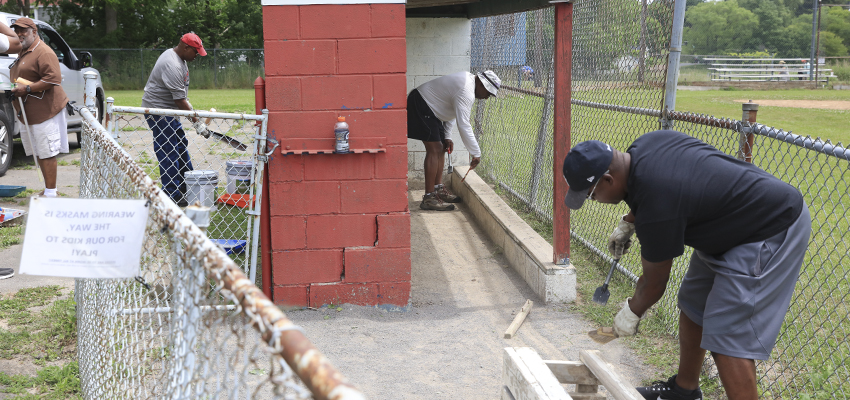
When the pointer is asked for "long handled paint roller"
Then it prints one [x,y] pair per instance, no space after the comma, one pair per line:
[23,81]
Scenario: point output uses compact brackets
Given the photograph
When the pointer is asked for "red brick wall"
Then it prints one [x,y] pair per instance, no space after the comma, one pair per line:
[340,223]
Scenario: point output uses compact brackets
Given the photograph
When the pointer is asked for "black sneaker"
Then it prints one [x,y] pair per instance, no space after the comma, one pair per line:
[6,273]
[660,390]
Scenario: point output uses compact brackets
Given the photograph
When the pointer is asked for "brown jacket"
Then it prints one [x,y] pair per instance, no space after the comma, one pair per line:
[39,63]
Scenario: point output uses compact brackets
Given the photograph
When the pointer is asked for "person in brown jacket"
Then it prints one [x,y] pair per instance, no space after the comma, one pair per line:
[44,101]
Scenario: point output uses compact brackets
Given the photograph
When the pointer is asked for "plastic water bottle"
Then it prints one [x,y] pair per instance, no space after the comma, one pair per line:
[341,133]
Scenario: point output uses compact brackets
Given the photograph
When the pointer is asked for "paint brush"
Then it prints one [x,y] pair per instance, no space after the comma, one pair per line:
[602,335]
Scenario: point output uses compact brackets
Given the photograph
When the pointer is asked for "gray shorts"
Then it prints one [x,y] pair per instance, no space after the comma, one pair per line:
[740,297]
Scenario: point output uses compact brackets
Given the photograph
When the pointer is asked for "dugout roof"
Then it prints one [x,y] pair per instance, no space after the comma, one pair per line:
[469,8]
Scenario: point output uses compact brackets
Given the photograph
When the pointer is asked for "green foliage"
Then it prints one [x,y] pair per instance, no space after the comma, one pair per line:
[159,23]
[832,45]
[719,28]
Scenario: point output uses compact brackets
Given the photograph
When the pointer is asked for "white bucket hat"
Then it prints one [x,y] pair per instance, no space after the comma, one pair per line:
[491,81]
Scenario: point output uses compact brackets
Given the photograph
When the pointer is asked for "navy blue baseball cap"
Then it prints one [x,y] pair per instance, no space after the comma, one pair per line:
[583,167]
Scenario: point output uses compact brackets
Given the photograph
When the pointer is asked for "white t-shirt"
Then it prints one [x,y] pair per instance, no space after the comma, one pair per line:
[4,43]
[451,98]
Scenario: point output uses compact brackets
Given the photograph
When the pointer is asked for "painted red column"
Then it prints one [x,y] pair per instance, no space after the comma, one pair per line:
[340,224]
[561,138]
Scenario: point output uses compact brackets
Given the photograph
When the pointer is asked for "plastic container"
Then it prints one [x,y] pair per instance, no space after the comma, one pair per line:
[238,176]
[341,132]
[231,246]
[200,187]
[11,190]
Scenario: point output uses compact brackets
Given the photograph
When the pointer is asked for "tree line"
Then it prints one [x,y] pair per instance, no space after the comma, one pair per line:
[779,28]
[130,24]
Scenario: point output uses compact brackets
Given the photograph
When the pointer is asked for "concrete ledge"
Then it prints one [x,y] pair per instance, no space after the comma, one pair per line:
[528,253]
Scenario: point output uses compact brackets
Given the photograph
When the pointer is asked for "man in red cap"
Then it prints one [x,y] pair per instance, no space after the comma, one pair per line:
[168,88]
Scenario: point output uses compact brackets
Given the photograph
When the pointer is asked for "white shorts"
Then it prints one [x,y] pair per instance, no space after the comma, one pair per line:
[50,137]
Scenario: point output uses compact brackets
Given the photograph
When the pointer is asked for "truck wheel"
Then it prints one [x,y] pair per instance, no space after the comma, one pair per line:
[6,145]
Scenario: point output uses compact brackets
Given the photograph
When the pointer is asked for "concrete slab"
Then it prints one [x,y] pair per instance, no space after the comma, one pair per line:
[528,253]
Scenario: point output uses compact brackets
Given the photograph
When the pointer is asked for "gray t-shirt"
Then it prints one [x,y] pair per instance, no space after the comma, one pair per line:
[169,81]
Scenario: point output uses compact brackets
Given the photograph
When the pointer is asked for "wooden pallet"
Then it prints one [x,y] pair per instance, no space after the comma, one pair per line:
[528,377]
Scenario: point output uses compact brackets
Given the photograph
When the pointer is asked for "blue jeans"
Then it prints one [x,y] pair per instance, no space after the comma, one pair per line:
[169,145]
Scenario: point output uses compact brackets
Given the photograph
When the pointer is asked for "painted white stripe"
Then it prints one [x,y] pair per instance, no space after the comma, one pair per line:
[309,2]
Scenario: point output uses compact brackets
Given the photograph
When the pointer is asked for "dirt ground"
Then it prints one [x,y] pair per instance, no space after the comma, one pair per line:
[842,105]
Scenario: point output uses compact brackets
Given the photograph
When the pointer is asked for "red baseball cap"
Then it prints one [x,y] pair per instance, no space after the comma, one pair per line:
[193,40]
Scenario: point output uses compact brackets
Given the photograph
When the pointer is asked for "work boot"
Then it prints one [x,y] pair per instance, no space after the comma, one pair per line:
[445,195]
[669,390]
[430,201]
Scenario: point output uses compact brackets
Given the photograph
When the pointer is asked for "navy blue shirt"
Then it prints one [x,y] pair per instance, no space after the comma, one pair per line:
[683,191]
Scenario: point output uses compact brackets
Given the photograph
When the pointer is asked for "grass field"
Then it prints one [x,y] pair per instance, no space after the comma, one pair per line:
[230,100]
[826,124]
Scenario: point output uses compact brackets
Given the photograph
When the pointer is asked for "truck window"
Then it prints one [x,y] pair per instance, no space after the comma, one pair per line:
[57,45]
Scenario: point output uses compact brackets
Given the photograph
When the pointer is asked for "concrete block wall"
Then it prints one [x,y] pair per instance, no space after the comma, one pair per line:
[435,47]
[340,222]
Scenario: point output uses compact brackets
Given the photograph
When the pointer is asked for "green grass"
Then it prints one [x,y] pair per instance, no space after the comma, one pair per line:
[10,236]
[41,327]
[826,124]
[229,100]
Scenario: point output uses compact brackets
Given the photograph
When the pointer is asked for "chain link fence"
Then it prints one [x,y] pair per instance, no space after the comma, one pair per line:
[620,55]
[192,325]
[221,171]
[128,69]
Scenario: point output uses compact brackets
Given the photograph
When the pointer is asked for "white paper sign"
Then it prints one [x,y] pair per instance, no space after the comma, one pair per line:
[84,238]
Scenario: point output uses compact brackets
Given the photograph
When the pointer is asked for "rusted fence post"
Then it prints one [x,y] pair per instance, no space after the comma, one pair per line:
[561,136]
[745,145]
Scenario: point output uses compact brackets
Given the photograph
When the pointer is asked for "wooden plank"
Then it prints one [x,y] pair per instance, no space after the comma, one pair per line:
[587,396]
[527,377]
[619,388]
[571,372]
[523,312]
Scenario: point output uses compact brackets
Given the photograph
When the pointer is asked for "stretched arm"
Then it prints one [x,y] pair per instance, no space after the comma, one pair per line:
[651,285]
[14,43]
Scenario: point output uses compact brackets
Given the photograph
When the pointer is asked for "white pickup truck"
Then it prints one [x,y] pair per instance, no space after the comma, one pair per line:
[73,66]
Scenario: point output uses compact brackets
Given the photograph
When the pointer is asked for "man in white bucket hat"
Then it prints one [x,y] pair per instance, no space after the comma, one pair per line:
[432,109]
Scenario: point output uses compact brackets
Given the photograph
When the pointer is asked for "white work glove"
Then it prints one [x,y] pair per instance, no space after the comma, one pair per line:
[626,322]
[201,128]
[621,239]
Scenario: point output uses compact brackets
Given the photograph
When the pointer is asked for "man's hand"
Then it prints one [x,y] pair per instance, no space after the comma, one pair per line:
[448,145]
[626,322]
[621,239]
[201,128]
[474,163]
[19,90]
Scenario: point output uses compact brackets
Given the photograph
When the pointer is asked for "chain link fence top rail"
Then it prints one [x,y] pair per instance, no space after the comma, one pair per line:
[618,84]
[193,325]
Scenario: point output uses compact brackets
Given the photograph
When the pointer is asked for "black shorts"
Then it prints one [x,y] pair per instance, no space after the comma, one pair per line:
[422,124]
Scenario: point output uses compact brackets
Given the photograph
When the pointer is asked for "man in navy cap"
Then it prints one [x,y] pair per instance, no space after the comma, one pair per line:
[749,231]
